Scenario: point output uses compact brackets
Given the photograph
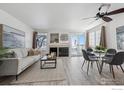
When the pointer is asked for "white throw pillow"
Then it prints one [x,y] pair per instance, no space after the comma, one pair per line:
[18,53]
[24,52]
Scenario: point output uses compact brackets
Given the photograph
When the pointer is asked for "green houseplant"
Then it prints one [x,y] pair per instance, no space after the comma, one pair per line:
[3,52]
[100,48]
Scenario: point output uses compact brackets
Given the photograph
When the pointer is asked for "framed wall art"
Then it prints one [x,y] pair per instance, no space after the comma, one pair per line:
[120,37]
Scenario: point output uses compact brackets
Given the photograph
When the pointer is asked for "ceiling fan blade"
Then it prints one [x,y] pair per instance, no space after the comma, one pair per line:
[121,10]
[88,18]
[92,21]
[107,19]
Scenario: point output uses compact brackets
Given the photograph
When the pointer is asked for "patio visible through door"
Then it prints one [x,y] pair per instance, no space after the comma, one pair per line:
[77,43]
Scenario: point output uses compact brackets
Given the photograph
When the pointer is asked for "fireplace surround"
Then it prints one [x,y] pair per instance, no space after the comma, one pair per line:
[60,51]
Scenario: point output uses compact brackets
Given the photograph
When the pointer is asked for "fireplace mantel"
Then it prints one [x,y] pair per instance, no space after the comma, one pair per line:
[58,45]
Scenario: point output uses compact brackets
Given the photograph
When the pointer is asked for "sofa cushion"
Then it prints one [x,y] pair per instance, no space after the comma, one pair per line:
[26,62]
[23,63]
[35,57]
[20,52]
[24,52]
[17,53]
[37,52]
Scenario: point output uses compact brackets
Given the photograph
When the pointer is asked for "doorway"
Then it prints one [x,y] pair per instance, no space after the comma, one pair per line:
[77,43]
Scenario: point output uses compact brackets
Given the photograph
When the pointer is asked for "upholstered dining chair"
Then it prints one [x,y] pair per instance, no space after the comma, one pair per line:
[116,60]
[89,49]
[110,52]
[89,59]
[90,52]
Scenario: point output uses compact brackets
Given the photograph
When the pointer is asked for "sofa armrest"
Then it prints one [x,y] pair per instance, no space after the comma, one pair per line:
[8,66]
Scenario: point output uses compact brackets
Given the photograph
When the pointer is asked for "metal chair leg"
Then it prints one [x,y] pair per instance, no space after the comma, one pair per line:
[113,72]
[110,68]
[97,67]
[83,64]
[88,67]
[101,68]
[122,68]
[92,64]
[99,64]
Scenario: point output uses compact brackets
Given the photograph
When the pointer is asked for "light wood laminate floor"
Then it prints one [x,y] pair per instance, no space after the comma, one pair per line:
[76,76]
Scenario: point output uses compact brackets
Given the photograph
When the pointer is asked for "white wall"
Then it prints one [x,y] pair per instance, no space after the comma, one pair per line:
[11,21]
[97,28]
[118,20]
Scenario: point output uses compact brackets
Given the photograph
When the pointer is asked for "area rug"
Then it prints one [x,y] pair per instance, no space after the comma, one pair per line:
[35,74]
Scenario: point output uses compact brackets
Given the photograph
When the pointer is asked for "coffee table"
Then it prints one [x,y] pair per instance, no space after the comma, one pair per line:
[48,61]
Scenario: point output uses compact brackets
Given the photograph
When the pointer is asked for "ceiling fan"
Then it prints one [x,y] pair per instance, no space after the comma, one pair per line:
[104,15]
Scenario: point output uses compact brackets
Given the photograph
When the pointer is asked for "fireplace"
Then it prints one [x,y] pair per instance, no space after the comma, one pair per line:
[60,51]
[63,51]
[54,49]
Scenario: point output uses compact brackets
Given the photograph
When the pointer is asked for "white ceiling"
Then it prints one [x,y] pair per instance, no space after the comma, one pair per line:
[54,16]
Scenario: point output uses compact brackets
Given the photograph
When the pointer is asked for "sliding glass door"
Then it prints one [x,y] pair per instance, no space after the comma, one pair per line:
[77,43]
[94,38]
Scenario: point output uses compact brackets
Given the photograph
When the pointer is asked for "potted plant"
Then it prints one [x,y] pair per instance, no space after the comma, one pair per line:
[3,52]
[100,48]
[97,47]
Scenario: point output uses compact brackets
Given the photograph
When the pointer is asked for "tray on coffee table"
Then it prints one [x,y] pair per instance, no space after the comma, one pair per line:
[46,62]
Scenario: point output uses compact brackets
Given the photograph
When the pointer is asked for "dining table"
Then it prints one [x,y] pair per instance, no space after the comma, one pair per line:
[99,53]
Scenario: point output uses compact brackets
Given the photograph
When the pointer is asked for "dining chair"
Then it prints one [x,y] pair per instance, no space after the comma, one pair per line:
[110,52]
[90,52]
[116,60]
[89,49]
[89,59]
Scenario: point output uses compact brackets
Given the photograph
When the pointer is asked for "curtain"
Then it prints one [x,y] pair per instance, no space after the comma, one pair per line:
[103,37]
[87,40]
[34,44]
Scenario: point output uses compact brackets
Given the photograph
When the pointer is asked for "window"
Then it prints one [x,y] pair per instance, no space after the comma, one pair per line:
[97,35]
[91,39]
[81,39]
[94,38]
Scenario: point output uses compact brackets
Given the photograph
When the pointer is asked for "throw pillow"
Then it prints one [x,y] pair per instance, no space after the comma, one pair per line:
[31,52]
[37,52]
